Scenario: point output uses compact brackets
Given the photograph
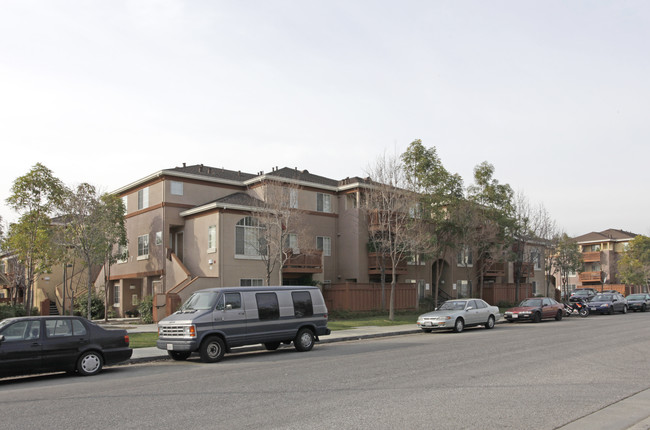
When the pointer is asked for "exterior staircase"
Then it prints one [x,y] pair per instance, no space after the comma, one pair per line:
[53,309]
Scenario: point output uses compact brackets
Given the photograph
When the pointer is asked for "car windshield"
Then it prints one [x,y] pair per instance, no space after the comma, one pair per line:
[453,306]
[603,298]
[199,302]
[636,297]
[531,303]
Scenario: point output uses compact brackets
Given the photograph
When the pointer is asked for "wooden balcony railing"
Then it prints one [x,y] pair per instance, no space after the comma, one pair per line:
[591,257]
[590,276]
[375,263]
[493,268]
[309,261]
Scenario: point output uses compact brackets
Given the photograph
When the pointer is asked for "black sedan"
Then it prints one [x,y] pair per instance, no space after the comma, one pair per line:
[608,304]
[638,302]
[59,343]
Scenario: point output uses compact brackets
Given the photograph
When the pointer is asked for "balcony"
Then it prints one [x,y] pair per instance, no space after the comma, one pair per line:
[493,269]
[591,257]
[527,270]
[590,276]
[310,261]
[374,265]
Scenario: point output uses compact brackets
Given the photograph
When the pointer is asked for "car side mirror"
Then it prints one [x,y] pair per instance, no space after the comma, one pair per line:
[469,308]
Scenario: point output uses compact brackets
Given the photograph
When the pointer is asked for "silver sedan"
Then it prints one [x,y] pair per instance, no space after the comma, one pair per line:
[458,314]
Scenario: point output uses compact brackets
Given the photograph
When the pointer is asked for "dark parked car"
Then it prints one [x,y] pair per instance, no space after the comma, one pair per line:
[608,304]
[638,302]
[585,294]
[535,309]
[59,343]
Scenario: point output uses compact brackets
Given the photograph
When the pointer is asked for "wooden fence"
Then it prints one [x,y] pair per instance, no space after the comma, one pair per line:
[367,297]
[495,293]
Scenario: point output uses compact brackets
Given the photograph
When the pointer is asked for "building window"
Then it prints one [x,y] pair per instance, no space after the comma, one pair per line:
[324,243]
[116,296]
[125,201]
[249,238]
[537,259]
[212,238]
[323,202]
[159,238]
[176,188]
[251,282]
[465,257]
[143,247]
[293,198]
[122,254]
[292,242]
[134,300]
[143,198]
[464,289]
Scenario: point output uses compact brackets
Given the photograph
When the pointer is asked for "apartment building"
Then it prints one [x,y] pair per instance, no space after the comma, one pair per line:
[193,227]
[601,252]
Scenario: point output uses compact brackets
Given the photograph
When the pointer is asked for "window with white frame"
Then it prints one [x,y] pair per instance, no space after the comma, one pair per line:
[122,254]
[116,296]
[249,238]
[292,242]
[176,188]
[251,282]
[212,238]
[159,238]
[143,198]
[143,247]
[293,198]
[465,257]
[324,244]
[537,259]
[323,202]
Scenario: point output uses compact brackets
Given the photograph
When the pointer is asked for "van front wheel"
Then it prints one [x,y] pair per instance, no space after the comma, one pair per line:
[304,340]
[212,350]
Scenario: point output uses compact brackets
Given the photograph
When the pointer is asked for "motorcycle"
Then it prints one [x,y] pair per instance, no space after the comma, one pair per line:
[576,308]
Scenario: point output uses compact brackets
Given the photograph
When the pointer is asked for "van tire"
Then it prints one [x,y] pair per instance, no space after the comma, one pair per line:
[304,340]
[212,350]
[272,346]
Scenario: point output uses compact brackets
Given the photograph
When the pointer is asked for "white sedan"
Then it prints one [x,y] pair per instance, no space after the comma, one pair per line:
[458,314]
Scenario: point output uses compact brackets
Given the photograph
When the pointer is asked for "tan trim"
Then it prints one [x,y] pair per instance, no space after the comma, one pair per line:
[142,211]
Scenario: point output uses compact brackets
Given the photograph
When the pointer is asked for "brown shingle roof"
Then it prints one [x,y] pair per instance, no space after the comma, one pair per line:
[605,235]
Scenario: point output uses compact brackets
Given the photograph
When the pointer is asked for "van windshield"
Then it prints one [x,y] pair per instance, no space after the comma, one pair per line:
[199,302]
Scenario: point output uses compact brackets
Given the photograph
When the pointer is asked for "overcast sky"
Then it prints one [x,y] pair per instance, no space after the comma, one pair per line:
[555,94]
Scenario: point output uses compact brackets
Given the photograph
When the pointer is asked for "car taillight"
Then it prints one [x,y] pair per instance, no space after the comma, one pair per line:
[126,339]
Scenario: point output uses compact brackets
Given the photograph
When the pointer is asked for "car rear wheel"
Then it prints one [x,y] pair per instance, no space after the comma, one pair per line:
[459,325]
[304,340]
[89,363]
[558,316]
[490,322]
[537,317]
[179,355]
[643,308]
[624,309]
[212,350]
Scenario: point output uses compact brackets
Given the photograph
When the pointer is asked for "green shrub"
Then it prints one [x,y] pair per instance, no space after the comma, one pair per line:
[96,306]
[146,310]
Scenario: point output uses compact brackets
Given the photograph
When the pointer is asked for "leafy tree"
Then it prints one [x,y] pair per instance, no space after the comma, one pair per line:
[567,260]
[634,266]
[440,194]
[35,196]
[94,224]
[145,307]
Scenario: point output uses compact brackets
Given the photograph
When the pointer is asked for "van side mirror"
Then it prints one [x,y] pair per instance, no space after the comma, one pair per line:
[228,307]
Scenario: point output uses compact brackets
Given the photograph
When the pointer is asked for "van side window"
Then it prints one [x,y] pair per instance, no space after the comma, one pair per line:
[267,306]
[302,306]
[233,299]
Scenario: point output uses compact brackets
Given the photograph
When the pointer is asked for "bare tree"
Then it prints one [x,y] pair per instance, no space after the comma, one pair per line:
[278,219]
[393,206]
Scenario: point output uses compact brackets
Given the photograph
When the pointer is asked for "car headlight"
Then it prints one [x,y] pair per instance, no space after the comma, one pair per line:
[604,305]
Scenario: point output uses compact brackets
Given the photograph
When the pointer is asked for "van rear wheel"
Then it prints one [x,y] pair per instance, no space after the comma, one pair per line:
[304,340]
[212,350]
